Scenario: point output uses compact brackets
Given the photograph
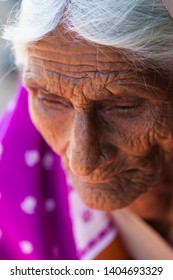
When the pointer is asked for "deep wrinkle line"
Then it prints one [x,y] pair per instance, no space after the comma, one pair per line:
[121,90]
[118,74]
[112,63]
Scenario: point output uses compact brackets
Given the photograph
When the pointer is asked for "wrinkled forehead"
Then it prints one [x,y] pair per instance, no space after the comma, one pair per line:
[69,49]
[63,60]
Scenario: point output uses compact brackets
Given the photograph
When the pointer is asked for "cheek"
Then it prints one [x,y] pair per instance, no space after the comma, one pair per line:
[136,136]
[53,126]
[163,130]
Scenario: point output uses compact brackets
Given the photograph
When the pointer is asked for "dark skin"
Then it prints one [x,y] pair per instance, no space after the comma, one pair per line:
[110,118]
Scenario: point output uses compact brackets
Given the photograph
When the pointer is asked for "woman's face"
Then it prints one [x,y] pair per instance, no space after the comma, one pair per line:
[109,119]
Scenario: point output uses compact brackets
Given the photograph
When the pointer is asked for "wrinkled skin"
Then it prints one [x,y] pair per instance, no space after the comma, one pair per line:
[109,119]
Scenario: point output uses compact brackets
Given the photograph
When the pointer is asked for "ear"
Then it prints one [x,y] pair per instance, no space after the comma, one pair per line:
[169,6]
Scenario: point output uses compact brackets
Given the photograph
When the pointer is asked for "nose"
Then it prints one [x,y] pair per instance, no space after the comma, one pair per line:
[83,150]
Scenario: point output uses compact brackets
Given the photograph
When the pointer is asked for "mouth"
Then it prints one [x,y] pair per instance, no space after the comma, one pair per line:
[89,180]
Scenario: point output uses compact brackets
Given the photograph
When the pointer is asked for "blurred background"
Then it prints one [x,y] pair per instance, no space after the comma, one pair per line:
[8,75]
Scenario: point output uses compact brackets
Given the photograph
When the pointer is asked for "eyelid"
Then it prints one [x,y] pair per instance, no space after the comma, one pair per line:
[122,101]
[48,94]
[51,97]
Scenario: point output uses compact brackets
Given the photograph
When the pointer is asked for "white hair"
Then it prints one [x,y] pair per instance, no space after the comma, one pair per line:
[141,26]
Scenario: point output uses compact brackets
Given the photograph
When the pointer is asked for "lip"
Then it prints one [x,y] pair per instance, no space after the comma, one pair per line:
[83,179]
[95,182]
[89,181]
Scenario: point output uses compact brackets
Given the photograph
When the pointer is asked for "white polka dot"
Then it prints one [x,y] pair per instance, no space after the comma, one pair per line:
[29,204]
[32,157]
[1,150]
[26,247]
[47,161]
[1,233]
[50,205]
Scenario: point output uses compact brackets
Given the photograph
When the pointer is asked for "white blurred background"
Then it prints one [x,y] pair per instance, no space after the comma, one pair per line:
[8,75]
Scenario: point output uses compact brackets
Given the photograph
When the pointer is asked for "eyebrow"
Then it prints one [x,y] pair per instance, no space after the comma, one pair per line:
[34,80]
[112,90]
[106,94]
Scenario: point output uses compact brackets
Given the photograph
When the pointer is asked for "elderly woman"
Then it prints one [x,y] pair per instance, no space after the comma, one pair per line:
[99,78]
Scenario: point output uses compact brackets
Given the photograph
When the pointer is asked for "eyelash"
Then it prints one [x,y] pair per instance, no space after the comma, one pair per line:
[123,109]
[128,107]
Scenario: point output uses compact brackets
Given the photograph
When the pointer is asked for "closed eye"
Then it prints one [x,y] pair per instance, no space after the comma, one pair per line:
[127,103]
[53,101]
